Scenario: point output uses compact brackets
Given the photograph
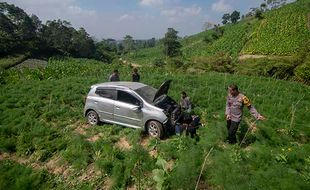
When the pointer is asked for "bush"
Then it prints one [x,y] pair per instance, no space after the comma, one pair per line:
[175,63]
[158,62]
[221,62]
[302,72]
[208,39]
[2,75]
[276,68]
[16,176]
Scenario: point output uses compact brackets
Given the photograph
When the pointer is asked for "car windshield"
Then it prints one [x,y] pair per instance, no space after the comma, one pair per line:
[147,93]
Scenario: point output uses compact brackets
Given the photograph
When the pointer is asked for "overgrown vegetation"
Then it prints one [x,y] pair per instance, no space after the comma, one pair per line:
[42,122]
[45,142]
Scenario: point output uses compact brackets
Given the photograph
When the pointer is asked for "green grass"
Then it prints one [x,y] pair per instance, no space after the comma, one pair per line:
[6,62]
[145,56]
[42,110]
[15,176]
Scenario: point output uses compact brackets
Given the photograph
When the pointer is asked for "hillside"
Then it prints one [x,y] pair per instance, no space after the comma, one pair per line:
[281,32]
[45,142]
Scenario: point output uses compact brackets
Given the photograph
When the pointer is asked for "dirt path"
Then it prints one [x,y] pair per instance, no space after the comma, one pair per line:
[244,57]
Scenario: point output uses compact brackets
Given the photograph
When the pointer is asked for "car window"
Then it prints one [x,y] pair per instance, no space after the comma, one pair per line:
[127,98]
[106,93]
[147,93]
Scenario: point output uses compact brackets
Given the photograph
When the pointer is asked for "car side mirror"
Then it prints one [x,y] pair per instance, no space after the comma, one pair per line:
[137,109]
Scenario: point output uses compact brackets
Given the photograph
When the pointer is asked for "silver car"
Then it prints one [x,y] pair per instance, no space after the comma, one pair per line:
[131,104]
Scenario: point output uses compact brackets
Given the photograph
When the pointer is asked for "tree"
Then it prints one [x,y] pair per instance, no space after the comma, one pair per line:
[172,47]
[17,30]
[128,43]
[259,14]
[82,44]
[151,42]
[207,25]
[218,32]
[106,50]
[58,36]
[235,16]
[226,18]
[274,4]
[263,7]
[7,37]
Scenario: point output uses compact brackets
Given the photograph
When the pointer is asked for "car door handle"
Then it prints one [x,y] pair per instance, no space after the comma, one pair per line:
[96,102]
[117,107]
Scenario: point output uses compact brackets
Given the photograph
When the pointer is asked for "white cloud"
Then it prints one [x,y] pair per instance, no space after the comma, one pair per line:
[178,12]
[135,17]
[53,9]
[221,6]
[141,24]
[125,17]
[151,2]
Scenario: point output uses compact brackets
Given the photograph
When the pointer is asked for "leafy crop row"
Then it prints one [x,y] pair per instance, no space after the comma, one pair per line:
[282,31]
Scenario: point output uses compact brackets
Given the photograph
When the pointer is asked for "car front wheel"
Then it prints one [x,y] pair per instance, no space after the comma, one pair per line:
[92,117]
[155,129]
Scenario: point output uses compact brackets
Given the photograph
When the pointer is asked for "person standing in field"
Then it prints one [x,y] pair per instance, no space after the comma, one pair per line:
[234,110]
[185,103]
[114,77]
[135,75]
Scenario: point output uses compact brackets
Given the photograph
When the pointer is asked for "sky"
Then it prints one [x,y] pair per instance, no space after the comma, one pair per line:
[141,19]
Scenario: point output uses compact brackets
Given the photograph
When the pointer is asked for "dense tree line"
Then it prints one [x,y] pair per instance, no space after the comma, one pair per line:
[21,33]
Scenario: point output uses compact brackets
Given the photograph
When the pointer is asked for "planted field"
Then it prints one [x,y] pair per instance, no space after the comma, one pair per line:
[232,41]
[145,56]
[45,142]
[282,31]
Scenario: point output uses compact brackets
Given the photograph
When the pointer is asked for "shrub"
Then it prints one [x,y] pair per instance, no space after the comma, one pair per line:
[175,63]
[221,62]
[276,68]
[208,39]
[302,72]
[16,176]
[158,62]
[187,168]
[2,75]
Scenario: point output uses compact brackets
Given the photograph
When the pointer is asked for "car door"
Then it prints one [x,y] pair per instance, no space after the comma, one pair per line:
[105,103]
[128,109]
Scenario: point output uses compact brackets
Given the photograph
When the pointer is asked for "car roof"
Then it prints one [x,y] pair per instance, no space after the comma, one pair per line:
[124,84]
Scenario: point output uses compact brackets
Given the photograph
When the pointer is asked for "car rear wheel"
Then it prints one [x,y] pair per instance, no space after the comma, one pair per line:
[155,129]
[92,117]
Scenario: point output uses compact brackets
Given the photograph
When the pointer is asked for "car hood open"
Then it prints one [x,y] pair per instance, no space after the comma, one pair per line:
[163,89]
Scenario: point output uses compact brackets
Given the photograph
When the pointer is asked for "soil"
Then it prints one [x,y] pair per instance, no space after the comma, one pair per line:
[244,57]
[95,138]
[32,64]
[123,144]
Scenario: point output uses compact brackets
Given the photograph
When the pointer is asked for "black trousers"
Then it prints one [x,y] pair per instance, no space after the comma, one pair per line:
[191,131]
[232,128]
